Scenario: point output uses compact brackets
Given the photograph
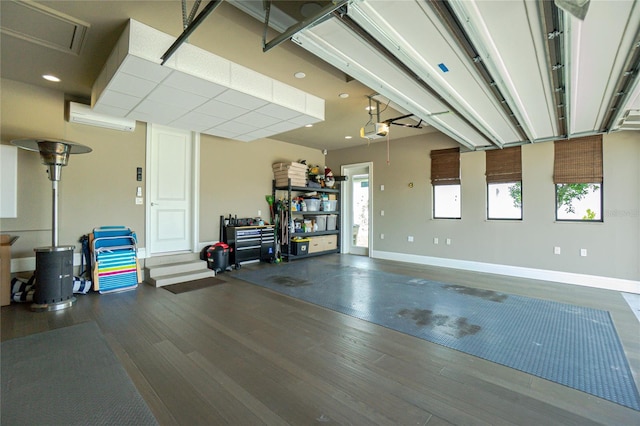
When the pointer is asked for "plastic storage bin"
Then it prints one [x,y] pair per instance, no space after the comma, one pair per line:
[313,204]
[332,222]
[329,205]
[300,246]
[321,221]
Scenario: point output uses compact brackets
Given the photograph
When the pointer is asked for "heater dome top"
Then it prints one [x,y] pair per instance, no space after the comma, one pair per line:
[50,145]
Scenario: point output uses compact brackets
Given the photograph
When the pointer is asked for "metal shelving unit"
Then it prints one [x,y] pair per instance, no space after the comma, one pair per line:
[300,190]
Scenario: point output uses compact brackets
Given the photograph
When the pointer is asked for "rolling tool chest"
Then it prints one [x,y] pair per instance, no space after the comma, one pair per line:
[250,243]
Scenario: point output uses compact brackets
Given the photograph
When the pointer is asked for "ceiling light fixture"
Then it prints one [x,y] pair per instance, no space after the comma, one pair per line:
[343,95]
[308,125]
[50,77]
[310,9]
[348,137]
[299,74]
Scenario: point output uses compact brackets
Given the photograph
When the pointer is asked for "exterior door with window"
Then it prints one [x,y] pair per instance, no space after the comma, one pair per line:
[357,209]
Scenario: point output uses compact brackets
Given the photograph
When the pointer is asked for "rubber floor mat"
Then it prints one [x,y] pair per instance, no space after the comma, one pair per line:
[567,344]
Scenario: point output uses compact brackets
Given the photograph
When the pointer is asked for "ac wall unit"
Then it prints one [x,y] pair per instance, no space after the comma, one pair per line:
[83,114]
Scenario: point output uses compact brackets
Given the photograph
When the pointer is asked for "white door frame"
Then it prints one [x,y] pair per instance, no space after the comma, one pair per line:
[345,206]
[195,191]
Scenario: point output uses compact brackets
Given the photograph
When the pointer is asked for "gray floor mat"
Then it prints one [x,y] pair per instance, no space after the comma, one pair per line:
[68,376]
[571,345]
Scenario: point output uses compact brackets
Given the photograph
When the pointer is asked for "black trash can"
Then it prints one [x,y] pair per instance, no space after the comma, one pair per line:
[218,257]
[54,275]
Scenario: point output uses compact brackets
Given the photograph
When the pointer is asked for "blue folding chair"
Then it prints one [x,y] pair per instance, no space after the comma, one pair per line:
[115,259]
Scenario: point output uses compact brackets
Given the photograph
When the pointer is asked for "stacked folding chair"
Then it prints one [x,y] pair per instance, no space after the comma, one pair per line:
[115,259]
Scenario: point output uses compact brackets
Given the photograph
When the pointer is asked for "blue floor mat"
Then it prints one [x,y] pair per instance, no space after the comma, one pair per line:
[571,345]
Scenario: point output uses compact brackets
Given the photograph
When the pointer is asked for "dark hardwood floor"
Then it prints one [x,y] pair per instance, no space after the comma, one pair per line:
[238,354]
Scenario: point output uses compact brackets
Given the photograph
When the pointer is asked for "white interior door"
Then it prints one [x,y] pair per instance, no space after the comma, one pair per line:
[357,202]
[170,170]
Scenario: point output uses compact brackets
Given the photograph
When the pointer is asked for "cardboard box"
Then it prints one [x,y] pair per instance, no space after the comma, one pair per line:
[5,268]
[323,243]
[278,167]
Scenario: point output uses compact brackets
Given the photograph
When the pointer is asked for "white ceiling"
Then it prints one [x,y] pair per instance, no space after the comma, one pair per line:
[500,87]
[197,90]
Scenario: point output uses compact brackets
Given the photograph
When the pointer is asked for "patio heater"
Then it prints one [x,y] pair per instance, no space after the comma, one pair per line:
[54,264]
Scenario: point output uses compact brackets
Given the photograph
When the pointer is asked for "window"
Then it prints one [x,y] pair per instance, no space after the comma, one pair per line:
[445,178]
[504,183]
[577,175]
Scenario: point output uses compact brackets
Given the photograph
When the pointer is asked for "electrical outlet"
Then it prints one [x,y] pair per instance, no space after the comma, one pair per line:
[583,252]
[410,238]
[381,187]
[259,213]
[448,241]
[139,200]
[382,236]
[435,240]
[556,250]
[381,212]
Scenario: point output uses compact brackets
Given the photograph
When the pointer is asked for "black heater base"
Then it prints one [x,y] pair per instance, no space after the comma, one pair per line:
[54,279]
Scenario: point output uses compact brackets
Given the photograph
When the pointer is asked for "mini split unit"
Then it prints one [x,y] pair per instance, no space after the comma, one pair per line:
[83,114]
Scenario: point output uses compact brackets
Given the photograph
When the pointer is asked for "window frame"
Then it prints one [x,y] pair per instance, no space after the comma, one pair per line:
[601,190]
[503,166]
[433,213]
[579,161]
[521,202]
[445,171]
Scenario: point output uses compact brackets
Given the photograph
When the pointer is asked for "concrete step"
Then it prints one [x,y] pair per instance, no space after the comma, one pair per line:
[155,271]
[163,280]
[171,258]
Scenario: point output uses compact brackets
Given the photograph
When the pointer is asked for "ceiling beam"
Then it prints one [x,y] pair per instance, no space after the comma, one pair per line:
[447,16]
[364,35]
[210,7]
[557,63]
[624,87]
[296,28]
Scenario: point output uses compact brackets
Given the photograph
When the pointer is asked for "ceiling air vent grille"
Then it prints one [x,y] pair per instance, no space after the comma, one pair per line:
[39,24]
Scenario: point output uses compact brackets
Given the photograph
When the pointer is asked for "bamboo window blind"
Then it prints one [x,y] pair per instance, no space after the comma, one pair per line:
[504,165]
[445,166]
[578,160]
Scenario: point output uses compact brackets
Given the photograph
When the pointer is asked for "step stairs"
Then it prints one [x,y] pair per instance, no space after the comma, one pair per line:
[173,269]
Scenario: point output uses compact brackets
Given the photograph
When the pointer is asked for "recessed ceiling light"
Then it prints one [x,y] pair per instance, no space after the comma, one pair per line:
[348,137]
[309,9]
[344,95]
[299,74]
[308,125]
[50,77]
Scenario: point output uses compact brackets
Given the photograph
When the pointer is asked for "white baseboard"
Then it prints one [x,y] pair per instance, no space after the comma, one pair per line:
[607,283]
[28,264]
